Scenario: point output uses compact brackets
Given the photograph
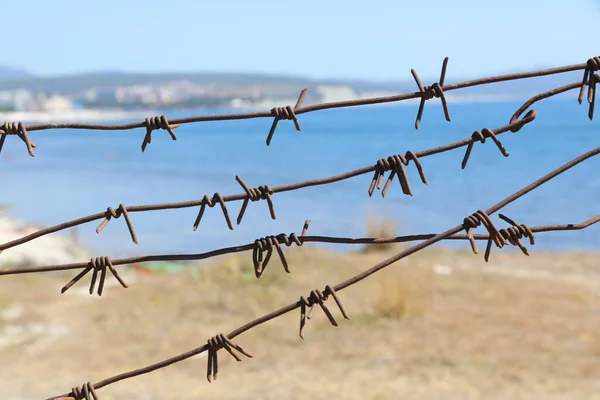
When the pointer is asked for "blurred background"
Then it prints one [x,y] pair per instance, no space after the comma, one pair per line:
[447,325]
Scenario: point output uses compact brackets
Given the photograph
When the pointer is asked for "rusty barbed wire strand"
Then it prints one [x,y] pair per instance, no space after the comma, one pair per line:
[437,90]
[394,163]
[514,233]
[483,215]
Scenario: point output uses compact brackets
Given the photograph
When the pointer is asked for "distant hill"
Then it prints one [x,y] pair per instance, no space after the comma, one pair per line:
[12,78]
[13,73]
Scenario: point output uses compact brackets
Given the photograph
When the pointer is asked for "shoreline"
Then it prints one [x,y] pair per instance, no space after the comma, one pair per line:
[93,115]
[73,115]
[51,249]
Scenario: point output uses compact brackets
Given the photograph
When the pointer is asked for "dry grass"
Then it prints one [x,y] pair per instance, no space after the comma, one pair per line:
[439,325]
[405,293]
[383,226]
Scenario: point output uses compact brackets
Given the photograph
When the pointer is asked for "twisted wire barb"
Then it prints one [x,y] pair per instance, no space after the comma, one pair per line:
[155,123]
[18,129]
[590,78]
[278,113]
[500,237]
[318,297]
[355,279]
[288,113]
[429,92]
[116,214]
[259,193]
[216,343]
[267,243]
[97,265]
[211,202]
[395,163]
[481,136]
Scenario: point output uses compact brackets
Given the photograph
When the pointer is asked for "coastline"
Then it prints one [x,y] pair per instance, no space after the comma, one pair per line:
[98,115]
[51,249]
[86,115]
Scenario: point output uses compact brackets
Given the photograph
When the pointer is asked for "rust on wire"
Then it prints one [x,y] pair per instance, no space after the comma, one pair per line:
[110,214]
[259,193]
[84,392]
[221,200]
[154,124]
[499,237]
[288,113]
[211,202]
[268,243]
[395,164]
[216,343]
[481,136]
[97,265]
[590,78]
[429,92]
[17,129]
[315,298]
[516,232]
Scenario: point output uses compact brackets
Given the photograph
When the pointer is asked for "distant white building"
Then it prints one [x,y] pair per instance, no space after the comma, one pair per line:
[336,93]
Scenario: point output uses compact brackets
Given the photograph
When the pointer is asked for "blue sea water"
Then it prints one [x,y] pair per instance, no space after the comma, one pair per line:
[76,173]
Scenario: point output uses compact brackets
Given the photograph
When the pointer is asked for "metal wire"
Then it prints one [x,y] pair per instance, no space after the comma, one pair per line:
[320,297]
[425,93]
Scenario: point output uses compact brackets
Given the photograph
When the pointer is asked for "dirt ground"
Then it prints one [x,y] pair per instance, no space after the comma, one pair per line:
[441,324]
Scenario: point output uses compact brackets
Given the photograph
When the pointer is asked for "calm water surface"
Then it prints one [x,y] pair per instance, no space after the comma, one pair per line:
[76,173]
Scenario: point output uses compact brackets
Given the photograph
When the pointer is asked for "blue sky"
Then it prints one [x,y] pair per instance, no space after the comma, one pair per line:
[374,39]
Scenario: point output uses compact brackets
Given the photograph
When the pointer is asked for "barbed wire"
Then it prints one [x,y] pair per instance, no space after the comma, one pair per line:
[394,163]
[272,243]
[437,90]
[318,297]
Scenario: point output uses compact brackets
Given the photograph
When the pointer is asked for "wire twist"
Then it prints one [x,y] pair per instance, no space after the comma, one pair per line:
[110,214]
[318,297]
[96,265]
[155,123]
[500,237]
[211,202]
[287,113]
[516,232]
[17,129]
[215,344]
[481,136]
[475,220]
[590,78]
[429,92]
[255,194]
[274,241]
[395,164]
[84,392]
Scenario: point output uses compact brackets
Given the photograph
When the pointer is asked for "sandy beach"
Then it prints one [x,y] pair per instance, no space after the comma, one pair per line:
[72,116]
[442,324]
[61,248]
